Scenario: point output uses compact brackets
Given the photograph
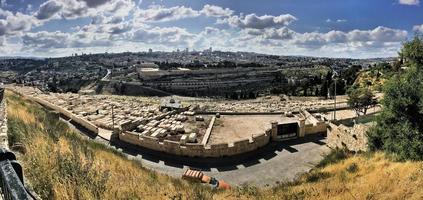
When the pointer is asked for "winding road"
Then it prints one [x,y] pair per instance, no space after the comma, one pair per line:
[275,163]
[106,78]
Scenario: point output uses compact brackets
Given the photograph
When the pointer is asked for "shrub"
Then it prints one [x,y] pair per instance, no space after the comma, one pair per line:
[316,176]
[352,168]
[334,156]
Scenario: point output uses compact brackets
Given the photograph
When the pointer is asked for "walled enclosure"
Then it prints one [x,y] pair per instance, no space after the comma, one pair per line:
[197,149]
[191,149]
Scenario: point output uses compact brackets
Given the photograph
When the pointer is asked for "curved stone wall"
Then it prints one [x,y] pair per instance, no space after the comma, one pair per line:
[168,146]
[83,122]
[197,149]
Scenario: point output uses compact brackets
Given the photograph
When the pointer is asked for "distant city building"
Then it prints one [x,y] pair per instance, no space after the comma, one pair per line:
[148,65]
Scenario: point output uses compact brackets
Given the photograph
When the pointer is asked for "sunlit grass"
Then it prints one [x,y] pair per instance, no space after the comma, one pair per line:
[60,164]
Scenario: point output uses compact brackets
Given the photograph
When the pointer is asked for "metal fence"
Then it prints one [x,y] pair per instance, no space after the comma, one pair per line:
[11,177]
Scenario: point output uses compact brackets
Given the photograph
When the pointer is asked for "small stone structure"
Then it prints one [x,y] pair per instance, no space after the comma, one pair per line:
[352,138]
[170,104]
[305,124]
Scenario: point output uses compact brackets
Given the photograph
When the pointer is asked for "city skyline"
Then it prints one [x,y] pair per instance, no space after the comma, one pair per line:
[355,29]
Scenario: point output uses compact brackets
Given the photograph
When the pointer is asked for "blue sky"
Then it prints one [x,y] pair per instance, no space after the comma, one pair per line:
[330,28]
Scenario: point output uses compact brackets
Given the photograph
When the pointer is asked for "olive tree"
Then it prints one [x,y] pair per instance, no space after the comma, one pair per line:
[360,100]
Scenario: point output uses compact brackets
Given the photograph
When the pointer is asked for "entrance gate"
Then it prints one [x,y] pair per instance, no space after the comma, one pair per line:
[288,131]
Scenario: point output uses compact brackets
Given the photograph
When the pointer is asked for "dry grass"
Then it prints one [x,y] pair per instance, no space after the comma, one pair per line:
[358,177]
[60,164]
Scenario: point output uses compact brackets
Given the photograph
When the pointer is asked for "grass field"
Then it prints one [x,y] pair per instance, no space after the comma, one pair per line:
[60,164]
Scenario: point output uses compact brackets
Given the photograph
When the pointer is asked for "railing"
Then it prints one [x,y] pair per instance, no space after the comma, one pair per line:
[11,177]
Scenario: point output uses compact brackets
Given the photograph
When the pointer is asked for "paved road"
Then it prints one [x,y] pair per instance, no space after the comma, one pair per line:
[105,78]
[276,162]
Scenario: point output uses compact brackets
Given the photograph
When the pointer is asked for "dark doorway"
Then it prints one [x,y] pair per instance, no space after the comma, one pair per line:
[288,131]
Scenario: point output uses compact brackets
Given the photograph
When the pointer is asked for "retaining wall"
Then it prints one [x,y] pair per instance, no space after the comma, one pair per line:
[172,147]
[295,111]
[320,127]
[197,150]
[353,138]
[3,125]
[83,122]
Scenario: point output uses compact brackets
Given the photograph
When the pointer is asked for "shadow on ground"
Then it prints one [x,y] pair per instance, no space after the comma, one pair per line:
[227,163]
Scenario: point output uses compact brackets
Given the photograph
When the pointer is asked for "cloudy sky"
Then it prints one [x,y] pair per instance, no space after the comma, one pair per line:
[332,28]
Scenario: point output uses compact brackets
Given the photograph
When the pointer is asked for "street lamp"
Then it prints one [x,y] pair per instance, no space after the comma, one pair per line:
[334,76]
[113,118]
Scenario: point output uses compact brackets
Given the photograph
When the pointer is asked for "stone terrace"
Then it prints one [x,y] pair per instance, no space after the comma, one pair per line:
[270,104]
[139,115]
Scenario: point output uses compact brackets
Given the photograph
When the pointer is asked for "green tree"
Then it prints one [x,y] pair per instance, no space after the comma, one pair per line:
[412,51]
[360,100]
[399,128]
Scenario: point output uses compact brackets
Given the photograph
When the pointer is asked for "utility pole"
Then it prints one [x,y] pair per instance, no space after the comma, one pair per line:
[334,112]
[113,118]
[334,77]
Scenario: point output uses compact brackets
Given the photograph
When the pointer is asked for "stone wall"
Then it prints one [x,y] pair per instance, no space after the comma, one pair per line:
[196,149]
[172,147]
[352,138]
[128,88]
[3,125]
[315,126]
[79,120]
[208,131]
[320,127]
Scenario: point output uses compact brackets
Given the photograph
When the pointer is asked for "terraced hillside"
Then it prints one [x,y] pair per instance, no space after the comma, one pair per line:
[60,164]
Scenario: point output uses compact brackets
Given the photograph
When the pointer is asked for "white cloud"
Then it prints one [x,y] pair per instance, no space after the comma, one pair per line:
[259,22]
[45,40]
[283,33]
[337,21]
[48,9]
[95,3]
[15,23]
[378,35]
[409,2]
[418,28]
[160,13]
[166,36]
[157,13]
[72,9]
[216,11]
[48,41]
[114,27]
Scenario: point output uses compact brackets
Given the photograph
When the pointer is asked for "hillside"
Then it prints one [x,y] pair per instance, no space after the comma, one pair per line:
[60,164]
[375,77]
